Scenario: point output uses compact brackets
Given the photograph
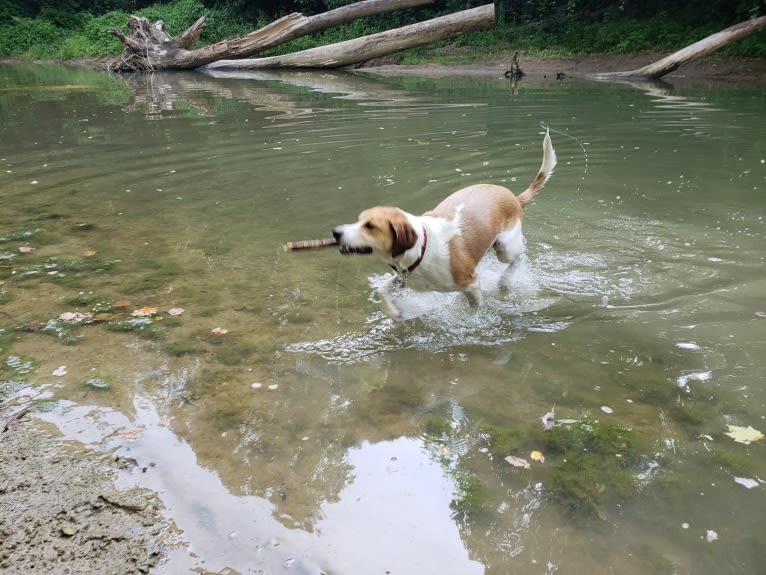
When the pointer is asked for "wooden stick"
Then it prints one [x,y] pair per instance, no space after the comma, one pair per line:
[310,244]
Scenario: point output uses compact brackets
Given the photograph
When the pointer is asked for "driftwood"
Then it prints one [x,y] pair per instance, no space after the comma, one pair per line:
[692,52]
[372,46]
[148,47]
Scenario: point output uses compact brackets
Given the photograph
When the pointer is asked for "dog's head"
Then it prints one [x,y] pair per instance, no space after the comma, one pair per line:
[382,230]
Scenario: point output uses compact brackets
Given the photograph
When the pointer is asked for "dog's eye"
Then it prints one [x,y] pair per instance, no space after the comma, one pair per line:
[369,226]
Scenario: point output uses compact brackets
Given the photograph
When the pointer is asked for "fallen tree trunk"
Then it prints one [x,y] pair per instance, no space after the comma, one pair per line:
[697,50]
[374,45]
[148,47]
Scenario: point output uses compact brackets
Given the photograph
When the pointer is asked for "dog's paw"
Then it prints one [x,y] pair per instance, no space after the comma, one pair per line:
[392,311]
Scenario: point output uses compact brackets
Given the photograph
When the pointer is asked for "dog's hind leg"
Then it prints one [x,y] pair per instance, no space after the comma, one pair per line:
[509,248]
[509,244]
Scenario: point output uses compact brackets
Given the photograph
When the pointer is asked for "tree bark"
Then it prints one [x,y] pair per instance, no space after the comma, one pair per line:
[147,50]
[374,45]
[697,50]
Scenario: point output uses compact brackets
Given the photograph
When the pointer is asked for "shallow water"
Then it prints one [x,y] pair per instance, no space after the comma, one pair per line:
[318,435]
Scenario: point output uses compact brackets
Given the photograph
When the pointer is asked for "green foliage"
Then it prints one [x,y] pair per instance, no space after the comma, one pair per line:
[70,29]
[35,38]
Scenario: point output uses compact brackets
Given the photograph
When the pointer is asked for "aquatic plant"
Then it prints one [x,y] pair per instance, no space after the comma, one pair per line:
[471,496]
[98,383]
[143,326]
[19,365]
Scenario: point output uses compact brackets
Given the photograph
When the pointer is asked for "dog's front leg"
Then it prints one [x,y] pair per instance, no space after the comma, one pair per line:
[387,291]
[473,293]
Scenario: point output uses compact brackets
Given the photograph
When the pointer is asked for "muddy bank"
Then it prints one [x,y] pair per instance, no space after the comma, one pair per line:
[60,511]
[542,68]
[714,68]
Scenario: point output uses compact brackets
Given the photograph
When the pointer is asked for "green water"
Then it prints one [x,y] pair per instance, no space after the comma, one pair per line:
[316,434]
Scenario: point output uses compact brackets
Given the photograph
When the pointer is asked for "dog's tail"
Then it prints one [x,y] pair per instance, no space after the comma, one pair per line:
[546,169]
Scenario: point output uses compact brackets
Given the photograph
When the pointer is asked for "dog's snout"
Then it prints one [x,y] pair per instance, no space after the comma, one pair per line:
[337,232]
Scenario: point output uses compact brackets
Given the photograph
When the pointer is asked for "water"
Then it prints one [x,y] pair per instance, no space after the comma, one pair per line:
[318,435]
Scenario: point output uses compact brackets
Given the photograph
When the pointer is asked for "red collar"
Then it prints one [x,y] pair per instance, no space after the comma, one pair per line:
[422,253]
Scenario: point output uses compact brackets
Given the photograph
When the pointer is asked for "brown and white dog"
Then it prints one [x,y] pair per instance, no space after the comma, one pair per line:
[439,251]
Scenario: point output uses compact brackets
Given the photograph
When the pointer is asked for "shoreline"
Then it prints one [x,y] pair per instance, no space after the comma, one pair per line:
[708,69]
[713,68]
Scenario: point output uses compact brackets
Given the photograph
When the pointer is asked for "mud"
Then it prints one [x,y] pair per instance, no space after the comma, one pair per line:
[60,511]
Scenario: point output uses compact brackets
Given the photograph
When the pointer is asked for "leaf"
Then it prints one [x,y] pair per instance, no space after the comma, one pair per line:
[75,316]
[518,462]
[145,311]
[743,434]
[132,434]
[537,456]
[89,253]
[122,303]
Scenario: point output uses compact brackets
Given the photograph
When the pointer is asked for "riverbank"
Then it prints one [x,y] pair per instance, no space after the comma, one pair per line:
[711,68]
[61,510]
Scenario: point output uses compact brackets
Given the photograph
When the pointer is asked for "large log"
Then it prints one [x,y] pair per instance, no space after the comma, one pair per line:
[692,52]
[372,46]
[149,48]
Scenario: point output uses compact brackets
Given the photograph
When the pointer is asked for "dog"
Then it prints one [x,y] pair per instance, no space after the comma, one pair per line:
[439,250]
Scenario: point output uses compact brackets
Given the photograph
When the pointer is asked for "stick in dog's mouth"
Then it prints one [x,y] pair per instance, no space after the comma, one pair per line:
[311,244]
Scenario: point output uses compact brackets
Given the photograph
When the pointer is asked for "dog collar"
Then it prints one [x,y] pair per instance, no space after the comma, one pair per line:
[416,263]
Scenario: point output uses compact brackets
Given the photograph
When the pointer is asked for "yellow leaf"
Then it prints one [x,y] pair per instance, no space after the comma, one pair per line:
[743,434]
[144,312]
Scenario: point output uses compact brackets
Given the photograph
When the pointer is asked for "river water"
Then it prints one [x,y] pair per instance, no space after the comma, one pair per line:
[316,435]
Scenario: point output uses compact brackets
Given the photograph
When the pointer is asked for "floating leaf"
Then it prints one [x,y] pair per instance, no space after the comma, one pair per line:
[74,316]
[537,456]
[122,303]
[89,253]
[132,434]
[36,325]
[176,311]
[145,311]
[518,461]
[744,434]
[219,331]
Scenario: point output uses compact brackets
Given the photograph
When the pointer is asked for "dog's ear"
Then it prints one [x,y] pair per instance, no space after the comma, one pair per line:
[404,235]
